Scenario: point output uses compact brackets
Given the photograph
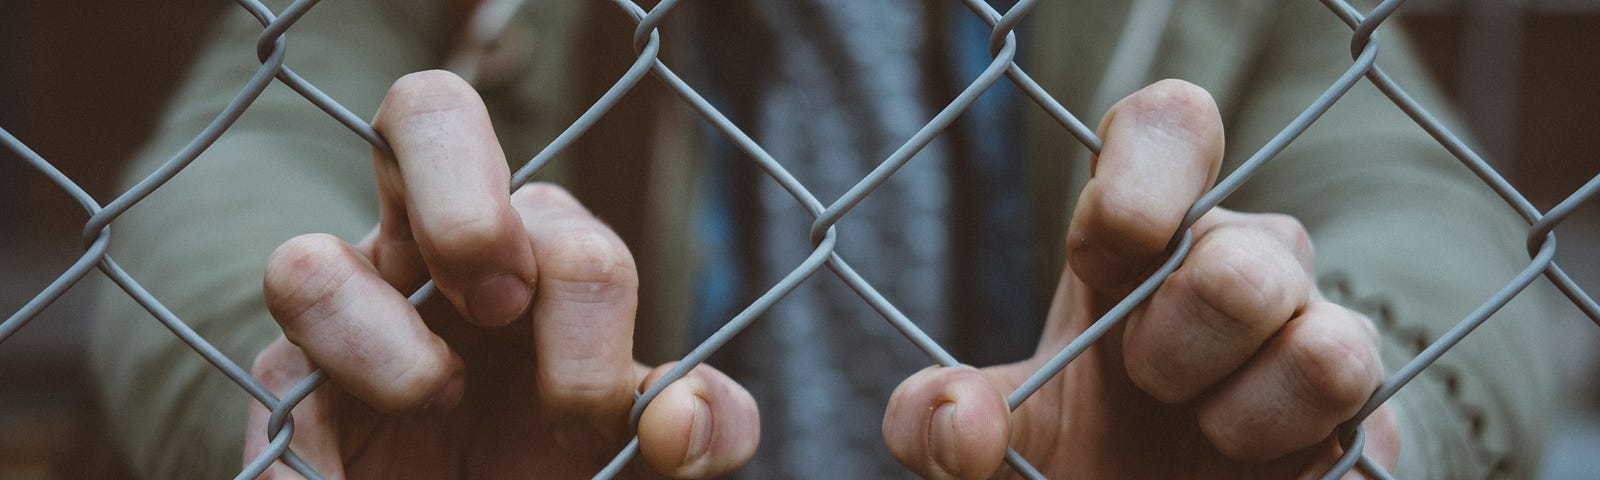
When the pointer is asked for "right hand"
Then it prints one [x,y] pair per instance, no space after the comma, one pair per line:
[522,366]
[1235,367]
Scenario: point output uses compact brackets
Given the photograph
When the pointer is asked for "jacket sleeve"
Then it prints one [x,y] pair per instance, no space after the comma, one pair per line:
[199,243]
[1407,235]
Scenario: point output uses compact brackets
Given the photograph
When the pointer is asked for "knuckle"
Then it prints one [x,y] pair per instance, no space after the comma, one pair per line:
[579,393]
[542,193]
[1338,371]
[268,366]
[588,256]
[1169,91]
[411,387]
[1290,231]
[422,81]
[300,278]
[427,91]
[469,234]
[1181,109]
[1176,103]
[1123,221]
[1241,284]
[263,366]
[1228,439]
[295,258]
[1153,377]
[280,365]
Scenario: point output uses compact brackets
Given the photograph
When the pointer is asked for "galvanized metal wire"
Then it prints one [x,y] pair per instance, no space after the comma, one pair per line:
[271,52]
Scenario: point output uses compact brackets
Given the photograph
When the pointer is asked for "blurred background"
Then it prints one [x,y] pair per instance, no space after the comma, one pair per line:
[82,83]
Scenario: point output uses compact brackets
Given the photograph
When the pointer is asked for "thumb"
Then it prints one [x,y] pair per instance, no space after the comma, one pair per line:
[702,425]
[948,423]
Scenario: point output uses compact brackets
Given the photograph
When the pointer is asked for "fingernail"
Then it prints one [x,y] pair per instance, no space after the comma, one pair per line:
[578,436]
[944,439]
[699,432]
[499,300]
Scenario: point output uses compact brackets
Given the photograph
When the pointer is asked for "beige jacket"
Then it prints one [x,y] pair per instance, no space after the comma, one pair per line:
[1403,233]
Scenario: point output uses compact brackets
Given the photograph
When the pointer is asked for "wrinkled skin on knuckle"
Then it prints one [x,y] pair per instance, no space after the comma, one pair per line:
[1339,371]
[1125,222]
[1251,438]
[412,387]
[1229,442]
[1153,363]
[271,365]
[426,92]
[299,281]
[585,260]
[466,236]
[1178,108]
[1113,237]
[581,394]
[1222,301]
[1291,232]
[1242,284]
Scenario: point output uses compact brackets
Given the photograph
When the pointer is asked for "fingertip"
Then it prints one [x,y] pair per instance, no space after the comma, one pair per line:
[455,387]
[674,430]
[1163,148]
[969,438]
[948,423]
[448,181]
[1384,442]
[331,304]
[427,90]
[703,425]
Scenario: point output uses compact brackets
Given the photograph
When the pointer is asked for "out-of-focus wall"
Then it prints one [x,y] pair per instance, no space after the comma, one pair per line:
[81,82]
[1524,73]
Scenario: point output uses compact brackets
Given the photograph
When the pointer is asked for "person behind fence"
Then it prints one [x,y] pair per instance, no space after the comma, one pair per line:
[1336,263]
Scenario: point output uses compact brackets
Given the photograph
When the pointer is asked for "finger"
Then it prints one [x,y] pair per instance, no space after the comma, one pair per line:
[448,182]
[1313,375]
[703,425]
[332,304]
[279,368]
[1163,147]
[582,318]
[1238,285]
[1383,437]
[1382,446]
[948,423]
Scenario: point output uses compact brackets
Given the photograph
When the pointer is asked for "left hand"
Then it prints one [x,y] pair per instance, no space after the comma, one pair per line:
[521,366]
[1236,367]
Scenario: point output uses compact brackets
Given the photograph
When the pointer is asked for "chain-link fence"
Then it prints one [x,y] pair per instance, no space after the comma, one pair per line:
[647,42]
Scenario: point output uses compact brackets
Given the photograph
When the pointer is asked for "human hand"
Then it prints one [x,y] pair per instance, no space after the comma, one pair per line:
[523,367]
[1236,367]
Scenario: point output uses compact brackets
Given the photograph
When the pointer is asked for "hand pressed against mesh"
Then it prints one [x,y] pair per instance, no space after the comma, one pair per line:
[524,364]
[1235,367]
